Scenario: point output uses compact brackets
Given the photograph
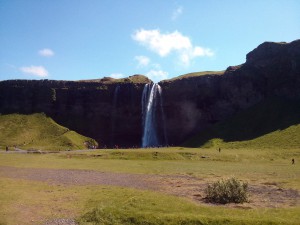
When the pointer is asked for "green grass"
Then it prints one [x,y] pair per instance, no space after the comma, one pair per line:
[273,123]
[253,165]
[131,79]
[29,202]
[127,206]
[37,131]
[197,74]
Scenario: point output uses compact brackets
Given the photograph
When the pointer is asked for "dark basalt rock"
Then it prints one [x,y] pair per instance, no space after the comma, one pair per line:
[193,104]
[84,106]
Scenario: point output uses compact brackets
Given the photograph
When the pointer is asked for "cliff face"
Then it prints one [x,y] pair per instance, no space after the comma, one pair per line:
[107,110]
[110,111]
[193,103]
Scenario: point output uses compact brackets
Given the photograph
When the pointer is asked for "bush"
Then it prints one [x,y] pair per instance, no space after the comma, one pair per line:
[227,191]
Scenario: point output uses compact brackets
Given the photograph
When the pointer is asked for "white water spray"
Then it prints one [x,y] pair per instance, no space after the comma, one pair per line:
[113,114]
[151,100]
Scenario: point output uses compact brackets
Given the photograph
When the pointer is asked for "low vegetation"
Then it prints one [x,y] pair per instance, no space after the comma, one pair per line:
[196,74]
[227,191]
[37,131]
[131,79]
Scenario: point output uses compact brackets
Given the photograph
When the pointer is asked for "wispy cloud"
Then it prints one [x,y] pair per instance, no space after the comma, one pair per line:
[11,66]
[142,60]
[165,43]
[117,75]
[177,12]
[46,52]
[39,71]
[157,75]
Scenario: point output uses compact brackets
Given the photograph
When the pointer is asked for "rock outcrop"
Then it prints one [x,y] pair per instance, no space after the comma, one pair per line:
[193,103]
[109,110]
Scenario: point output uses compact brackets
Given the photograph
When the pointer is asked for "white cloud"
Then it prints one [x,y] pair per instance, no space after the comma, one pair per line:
[117,75]
[177,12]
[157,75]
[156,66]
[164,44]
[39,71]
[142,60]
[46,52]
[11,66]
[199,51]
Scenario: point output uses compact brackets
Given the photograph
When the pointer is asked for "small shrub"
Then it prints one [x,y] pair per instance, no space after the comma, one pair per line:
[227,191]
[101,215]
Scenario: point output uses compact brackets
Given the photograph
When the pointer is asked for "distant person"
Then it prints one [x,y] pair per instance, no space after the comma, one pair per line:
[293,161]
[219,149]
[6,148]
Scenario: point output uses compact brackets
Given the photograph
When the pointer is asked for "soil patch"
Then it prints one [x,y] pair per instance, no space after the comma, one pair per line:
[262,195]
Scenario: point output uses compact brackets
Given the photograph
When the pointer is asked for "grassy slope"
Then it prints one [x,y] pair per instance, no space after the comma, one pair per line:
[274,123]
[197,74]
[131,79]
[37,131]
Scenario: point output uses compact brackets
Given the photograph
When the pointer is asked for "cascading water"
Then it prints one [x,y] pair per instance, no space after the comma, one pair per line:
[153,116]
[113,114]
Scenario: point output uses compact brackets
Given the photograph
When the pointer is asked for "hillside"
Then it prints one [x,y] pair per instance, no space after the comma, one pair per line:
[37,131]
[131,79]
[195,74]
[271,123]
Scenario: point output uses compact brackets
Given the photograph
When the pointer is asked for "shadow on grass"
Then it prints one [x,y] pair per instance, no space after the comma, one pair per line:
[267,116]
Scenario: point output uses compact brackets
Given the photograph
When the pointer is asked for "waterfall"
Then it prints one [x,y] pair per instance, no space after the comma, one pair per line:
[153,116]
[113,115]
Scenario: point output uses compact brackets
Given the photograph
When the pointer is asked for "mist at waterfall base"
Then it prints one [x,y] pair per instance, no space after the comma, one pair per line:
[154,130]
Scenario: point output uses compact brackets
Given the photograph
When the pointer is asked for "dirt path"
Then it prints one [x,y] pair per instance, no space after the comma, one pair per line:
[180,185]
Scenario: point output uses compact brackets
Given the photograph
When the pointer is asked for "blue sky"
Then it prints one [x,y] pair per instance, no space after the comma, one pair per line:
[89,39]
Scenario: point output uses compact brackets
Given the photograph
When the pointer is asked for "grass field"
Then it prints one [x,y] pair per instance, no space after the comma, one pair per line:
[31,202]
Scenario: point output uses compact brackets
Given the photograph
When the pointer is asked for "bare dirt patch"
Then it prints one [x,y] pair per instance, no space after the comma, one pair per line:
[261,195]
[61,221]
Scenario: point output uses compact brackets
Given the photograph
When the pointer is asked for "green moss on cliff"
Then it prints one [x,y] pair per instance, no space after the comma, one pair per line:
[134,79]
[37,131]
